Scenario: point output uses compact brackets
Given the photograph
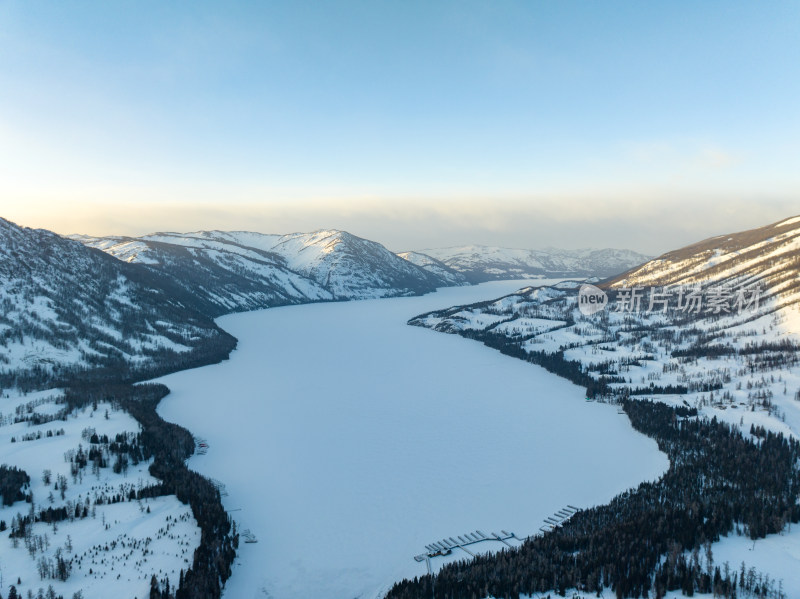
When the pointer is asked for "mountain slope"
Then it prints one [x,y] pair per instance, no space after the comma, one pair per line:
[348,266]
[68,309]
[239,270]
[434,266]
[218,277]
[768,256]
[479,263]
[697,326]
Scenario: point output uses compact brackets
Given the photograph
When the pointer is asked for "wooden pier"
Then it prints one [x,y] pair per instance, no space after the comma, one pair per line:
[558,518]
[447,545]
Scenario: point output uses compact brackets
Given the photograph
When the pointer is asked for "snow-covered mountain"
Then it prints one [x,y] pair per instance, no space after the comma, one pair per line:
[219,276]
[478,263]
[768,256]
[438,268]
[239,270]
[66,308]
[699,322]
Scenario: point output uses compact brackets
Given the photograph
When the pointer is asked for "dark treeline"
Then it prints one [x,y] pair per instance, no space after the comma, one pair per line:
[781,345]
[169,445]
[556,363]
[115,368]
[769,361]
[580,374]
[654,389]
[718,482]
[704,351]
[13,481]
[785,349]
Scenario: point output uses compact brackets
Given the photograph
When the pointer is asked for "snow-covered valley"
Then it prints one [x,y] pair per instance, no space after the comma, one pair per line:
[348,440]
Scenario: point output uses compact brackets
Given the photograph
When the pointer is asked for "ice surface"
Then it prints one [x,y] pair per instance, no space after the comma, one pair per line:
[348,440]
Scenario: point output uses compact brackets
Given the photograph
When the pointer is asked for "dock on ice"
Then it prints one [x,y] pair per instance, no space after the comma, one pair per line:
[558,518]
[447,545]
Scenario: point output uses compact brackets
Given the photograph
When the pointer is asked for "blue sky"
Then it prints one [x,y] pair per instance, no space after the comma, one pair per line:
[413,123]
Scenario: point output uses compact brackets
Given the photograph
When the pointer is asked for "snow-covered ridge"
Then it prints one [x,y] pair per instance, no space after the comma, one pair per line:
[65,308]
[434,266]
[767,256]
[482,263]
[240,270]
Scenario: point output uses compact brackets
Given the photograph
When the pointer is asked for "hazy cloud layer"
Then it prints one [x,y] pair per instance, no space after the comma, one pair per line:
[650,223]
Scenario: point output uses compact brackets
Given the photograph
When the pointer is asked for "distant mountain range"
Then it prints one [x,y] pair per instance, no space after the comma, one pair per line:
[141,306]
[110,303]
[235,271]
[477,263]
[238,270]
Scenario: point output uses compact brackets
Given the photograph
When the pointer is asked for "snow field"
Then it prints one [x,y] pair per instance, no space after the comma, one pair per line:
[115,550]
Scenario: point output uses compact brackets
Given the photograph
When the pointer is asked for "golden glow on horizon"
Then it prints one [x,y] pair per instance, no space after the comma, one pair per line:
[647,222]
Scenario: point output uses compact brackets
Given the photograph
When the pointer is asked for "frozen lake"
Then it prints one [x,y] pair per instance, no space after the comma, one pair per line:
[349,440]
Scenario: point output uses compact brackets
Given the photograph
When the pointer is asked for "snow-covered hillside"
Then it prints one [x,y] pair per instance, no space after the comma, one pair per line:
[479,263]
[65,308]
[768,256]
[438,268]
[348,266]
[239,270]
[219,276]
[683,330]
[90,525]
[742,368]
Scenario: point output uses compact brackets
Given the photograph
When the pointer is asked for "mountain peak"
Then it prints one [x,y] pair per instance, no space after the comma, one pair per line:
[241,270]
